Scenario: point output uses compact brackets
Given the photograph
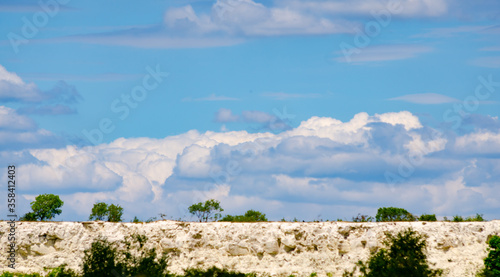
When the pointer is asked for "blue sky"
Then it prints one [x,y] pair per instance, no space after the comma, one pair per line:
[346,106]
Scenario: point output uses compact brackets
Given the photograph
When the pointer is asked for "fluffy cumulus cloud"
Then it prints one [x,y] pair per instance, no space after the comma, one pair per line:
[324,168]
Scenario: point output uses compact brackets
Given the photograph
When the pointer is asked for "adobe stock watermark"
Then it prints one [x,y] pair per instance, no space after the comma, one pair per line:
[125,103]
[31,26]
[483,91]
[372,29]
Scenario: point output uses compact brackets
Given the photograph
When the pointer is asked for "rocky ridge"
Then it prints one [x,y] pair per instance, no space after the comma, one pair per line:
[273,248]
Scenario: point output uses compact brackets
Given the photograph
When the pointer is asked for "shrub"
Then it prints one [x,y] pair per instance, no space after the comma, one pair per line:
[459,218]
[249,216]
[393,214]
[207,210]
[405,256]
[427,217]
[492,262]
[213,272]
[362,218]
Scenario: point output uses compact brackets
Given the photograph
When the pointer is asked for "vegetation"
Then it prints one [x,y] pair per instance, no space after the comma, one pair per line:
[393,214]
[405,256]
[492,262]
[362,218]
[206,211]
[459,218]
[249,216]
[45,206]
[101,211]
[427,217]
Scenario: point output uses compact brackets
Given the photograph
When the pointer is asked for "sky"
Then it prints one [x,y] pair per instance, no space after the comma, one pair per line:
[315,110]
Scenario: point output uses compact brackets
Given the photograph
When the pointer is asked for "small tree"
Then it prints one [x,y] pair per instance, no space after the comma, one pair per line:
[115,213]
[362,218]
[393,214]
[99,211]
[45,206]
[405,256]
[207,210]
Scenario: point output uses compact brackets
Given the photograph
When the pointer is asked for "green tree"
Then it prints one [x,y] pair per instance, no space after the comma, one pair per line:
[249,216]
[45,206]
[393,214]
[427,217]
[405,256]
[207,210]
[115,213]
[99,211]
[492,262]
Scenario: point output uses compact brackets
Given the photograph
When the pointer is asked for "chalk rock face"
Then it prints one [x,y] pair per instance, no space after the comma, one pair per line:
[274,248]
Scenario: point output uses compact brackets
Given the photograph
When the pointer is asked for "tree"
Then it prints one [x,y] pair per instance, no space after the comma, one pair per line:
[393,214]
[492,262]
[207,210]
[115,213]
[405,256]
[45,206]
[99,211]
[249,216]
[362,218]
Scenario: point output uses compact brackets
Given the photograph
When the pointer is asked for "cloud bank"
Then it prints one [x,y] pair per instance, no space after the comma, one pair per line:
[324,168]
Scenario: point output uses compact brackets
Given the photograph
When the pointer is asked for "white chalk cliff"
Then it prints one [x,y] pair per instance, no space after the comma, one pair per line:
[275,248]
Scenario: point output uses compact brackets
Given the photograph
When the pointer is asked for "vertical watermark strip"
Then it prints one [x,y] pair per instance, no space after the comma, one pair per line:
[11,214]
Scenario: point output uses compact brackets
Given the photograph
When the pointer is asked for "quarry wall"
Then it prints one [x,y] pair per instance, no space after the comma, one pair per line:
[273,248]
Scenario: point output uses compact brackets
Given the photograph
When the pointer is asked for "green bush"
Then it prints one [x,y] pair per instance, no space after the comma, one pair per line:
[427,217]
[101,211]
[207,210]
[213,272]
[459,218]
[393,214]
[60,271]
[492,262]
[405,256]
[249,216]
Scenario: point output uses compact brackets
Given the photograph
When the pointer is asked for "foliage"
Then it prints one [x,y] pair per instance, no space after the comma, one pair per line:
[404,257]
[28,217]
[101,211]
[492,262]
[249,216]
[45,206]
[362,218]
[427,217]
[104,259]
[60,271]
[207,210]
[393,214]
[213,272]
[459,218]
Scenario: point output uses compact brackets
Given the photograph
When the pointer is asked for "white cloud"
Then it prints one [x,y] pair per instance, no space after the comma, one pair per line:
[322,164]
[426,98]
[226,115]
[384,53]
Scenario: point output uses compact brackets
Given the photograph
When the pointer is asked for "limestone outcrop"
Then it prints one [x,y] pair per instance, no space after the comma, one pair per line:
[274,248]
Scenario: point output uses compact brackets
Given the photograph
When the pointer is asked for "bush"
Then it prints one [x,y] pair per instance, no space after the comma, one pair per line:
[103,260]
[427,217]
[362,218]
[393,214]
[405,256]
[459,218]
[249,216]
[207,210]
[213,272]
[492,262]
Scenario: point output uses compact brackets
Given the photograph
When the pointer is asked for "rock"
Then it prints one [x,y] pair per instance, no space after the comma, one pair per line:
[272,248]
